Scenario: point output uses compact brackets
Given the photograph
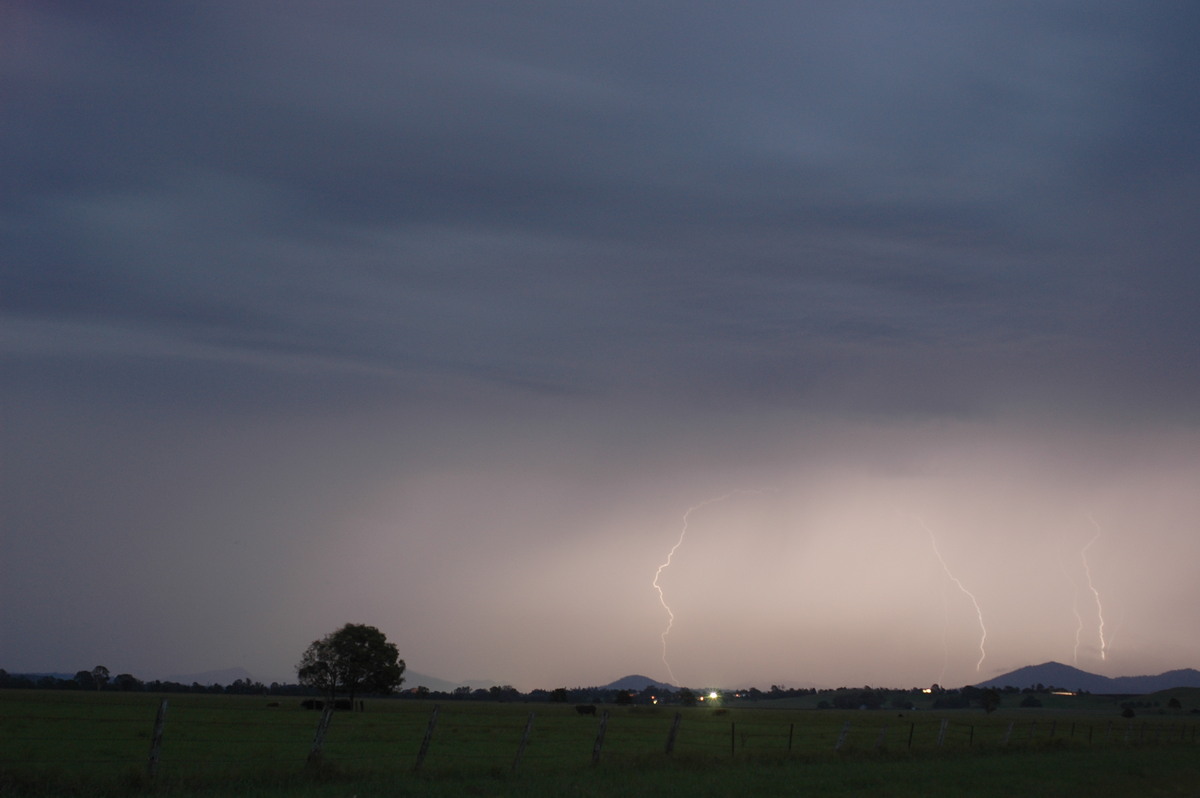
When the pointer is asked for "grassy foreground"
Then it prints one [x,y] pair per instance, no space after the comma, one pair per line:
[97,745]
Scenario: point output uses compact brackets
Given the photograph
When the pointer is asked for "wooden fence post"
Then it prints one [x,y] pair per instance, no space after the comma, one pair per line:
[842,737]
[791,734]
[524,740]
[674,731]
[912,727]
[733,739]
[160,720]
[600,737]
[879,741]
[1008,732]
[314,753]
[942,732]
[426,739]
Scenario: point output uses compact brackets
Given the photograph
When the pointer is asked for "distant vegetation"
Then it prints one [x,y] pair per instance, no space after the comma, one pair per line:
[357,660]
[1186,700]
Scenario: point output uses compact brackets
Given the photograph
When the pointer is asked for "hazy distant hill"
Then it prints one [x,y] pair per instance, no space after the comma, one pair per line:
[637,683]
[413,679]
[224,677]
[1058,675]
[1184,677]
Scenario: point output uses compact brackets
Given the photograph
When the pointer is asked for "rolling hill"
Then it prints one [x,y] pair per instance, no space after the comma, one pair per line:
[637,683]
[1064,676]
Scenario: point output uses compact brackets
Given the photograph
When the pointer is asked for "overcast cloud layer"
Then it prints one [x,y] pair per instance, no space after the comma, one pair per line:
[440,317]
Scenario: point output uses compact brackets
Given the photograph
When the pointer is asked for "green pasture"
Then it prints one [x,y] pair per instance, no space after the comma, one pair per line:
[98,744]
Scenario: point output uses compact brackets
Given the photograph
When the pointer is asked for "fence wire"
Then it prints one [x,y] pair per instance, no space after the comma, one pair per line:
[391,735]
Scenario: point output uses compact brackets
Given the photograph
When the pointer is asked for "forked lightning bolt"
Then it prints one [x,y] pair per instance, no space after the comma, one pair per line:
[683,534]
[1078,620]
[1087,569]
[969,594]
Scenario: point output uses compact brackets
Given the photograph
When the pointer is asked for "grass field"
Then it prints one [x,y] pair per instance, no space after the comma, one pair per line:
[97,744]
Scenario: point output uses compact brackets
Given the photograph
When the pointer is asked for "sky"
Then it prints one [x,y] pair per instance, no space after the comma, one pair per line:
[813,344]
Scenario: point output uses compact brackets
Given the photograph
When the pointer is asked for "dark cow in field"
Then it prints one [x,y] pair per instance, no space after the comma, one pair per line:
[585,709]
[312,703]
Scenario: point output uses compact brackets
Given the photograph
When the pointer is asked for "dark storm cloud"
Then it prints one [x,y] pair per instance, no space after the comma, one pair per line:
[452,294]
[758,181]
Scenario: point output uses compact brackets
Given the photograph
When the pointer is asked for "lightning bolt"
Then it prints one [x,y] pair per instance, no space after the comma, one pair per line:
[970,595]
[1087,569]
[683,534]
[945,639]
[1078,619]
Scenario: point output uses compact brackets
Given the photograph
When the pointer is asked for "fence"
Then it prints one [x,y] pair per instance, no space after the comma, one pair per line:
[182,737]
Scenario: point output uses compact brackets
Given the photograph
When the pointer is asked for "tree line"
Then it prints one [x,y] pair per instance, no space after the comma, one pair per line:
[358,659]
[98,678]
[125,682]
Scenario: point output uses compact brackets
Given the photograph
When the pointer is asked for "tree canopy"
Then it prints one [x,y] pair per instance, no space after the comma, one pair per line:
[356,658]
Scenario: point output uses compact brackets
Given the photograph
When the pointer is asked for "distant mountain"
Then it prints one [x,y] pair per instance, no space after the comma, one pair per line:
[224,677]
[1051,674]
[413,679]
[637,684]
[1058,675]
[1184,677]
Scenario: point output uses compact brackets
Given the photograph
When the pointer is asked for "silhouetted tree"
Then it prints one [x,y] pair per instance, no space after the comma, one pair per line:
[355,658]
[503,692]
[127,682]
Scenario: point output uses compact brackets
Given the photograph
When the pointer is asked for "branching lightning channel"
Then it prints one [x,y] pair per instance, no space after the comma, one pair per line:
[1078,620]
[683,534]
[969,594]
[1087,569]
[945,638]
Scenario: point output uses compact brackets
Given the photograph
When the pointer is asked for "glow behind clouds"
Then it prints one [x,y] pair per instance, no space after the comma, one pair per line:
[440,318]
